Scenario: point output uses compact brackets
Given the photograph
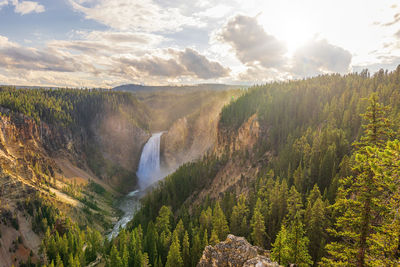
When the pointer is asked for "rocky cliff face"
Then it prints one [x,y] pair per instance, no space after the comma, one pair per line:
[115,136]
[46,159]
[240,148]
[243,139]
[234,252]
[120,140]
[22,149]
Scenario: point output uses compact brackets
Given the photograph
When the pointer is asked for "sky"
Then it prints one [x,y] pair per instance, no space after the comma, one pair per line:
[105,43]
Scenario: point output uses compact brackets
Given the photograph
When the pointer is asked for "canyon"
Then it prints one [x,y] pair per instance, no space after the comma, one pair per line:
[69,164]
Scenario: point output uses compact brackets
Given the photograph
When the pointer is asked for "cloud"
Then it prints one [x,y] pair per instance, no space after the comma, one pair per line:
[179,63]
[217,11]
[200,65]
[259,74]
[266,57]
[26,7]
[319,56]
[396,19]
[85,46]
[32,59]
[4,41]
[251,44]
[99,44]
[14,56]
[124,37]
[397,34]
[155,66]
[168,41]
[140,15]
[90,58]
[3,3]
[390,62]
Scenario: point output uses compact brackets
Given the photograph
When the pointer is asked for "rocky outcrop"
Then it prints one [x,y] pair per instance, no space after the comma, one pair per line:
[242,139]
[22,149]
[23,129]
[235,251]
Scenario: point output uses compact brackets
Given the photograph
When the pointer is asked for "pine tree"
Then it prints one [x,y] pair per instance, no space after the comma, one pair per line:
[115,259]
[180,230]
[280,249]
[125,256]
[298,178]
[165,241]
[258,225]
[186,249]
[214,238]
[377,129]
[163,220]
[386,245]
[282,202]
[196,249]
[206,219]
[294,204]
[326,167]
[315,224]
[77,262]
[71,261]
[204,241]
[59,262]
[151,243]
[94,245]
[239,217]
[359,201]
[159,262]
[297,243]
[174,258]
[132,247]
[219,223]
[62,247]
[145,260]
[138,259]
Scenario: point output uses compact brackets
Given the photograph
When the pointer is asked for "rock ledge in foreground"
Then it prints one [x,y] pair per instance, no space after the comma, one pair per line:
[234,252]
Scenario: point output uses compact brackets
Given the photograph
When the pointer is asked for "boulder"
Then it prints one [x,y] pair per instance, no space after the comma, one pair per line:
[235,251]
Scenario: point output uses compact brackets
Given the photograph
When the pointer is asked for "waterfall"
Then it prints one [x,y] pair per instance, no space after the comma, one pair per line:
[148,172]
[149,164]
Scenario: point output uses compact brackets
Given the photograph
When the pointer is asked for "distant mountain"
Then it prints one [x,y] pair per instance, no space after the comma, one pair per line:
[204,86]
[46,87]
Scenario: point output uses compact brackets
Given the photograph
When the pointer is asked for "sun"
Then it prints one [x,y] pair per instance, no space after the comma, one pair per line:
[295,34]
[294,28]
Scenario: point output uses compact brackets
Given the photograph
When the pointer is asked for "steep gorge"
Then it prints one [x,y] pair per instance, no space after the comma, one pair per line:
[82,168]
